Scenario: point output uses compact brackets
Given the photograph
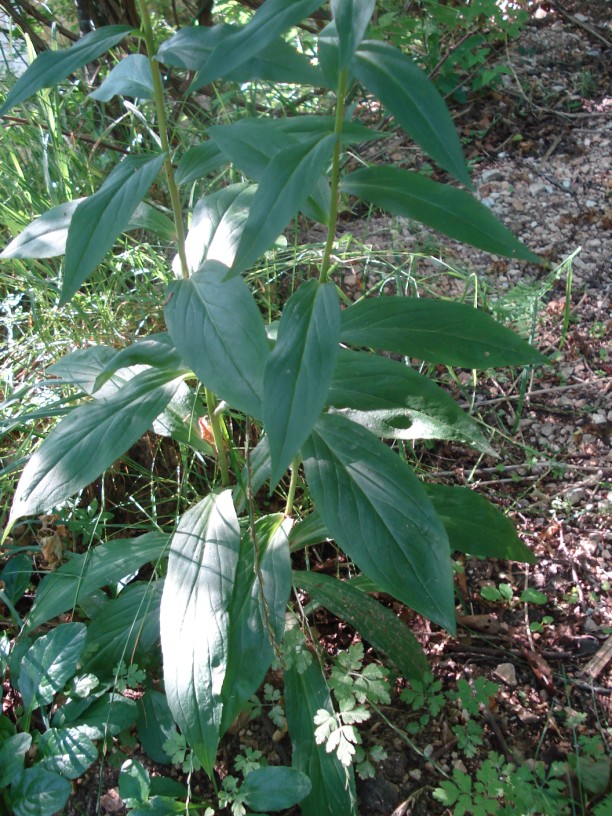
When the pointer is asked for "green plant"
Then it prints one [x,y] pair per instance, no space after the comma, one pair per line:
[309,390]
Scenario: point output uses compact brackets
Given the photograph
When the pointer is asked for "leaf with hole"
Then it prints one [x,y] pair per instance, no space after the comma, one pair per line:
[100,219]
[63,464]
[380,515]
[52,67]
[407,93]
[394,401]
[299,370]
[451,211]
[219,332]
[437,331]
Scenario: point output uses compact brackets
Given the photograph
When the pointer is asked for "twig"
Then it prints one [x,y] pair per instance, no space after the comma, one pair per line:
[575,21]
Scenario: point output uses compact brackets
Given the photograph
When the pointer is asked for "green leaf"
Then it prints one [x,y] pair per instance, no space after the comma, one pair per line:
[155,350]
[215,637]
[100,566]
[51,67]
[49,663]
[406,92]
[437,331]
[128,625]
[250,144]
[67,752]
[333,785]
[46,236]
[475,526]
[394,401]
[377,624]
[63,464]
[250,650]
[275,788]
[15,578]
[219,332]
[351,18]
[216,225]
[82,368]
[13,750]
[99,219]
[451,211]
[130,77]
[155,725]
[109,715]
[195,619]
[287,182]
[38,792]
[531,595]
[379,514]
[270,20]
[299,370]
[278,62]
[134,783]
[198,162]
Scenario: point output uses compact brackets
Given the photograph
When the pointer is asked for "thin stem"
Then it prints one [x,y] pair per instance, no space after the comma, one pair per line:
[335,177]
[292,486]
[217,429]
[162,122]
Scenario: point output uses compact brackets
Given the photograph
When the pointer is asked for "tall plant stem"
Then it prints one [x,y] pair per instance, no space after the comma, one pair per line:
[335,177]
[162,123]
[217,430]
[292,486]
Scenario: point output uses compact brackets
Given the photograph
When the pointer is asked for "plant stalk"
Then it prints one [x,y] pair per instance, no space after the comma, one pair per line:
[335,177]
[158,93]
[295,464]
[217,430]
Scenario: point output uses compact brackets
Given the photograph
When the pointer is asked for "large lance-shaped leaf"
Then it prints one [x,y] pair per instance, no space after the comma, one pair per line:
[437,331]
[412,98]
[46,236]
[299,370]
[394,401]
[51,67]
[377,624]
[195,619]
[451,211]
[250,144]
[278,62]
[216,226]
[49,663]
[88,441]
[351,18]
[286,184]
[272,19]
[219,332]
[380,515]
[475,526]
[252,629]
[130,77]
[333,785]
[104,565]
[99,219]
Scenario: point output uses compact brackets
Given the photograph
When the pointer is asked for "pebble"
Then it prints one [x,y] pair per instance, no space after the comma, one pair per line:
[507,673]
[492,175]
[590,203]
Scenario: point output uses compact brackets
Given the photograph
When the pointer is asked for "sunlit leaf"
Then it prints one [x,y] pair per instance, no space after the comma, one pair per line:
[130,77]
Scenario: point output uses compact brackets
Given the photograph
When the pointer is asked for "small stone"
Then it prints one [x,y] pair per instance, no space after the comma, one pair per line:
[415,774]
[488,201]
[575,495]
[506,673]
[458,765]
[492,175]
[590,203]
[582,18]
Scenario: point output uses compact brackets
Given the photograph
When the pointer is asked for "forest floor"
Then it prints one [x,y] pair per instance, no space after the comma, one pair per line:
[541,633]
